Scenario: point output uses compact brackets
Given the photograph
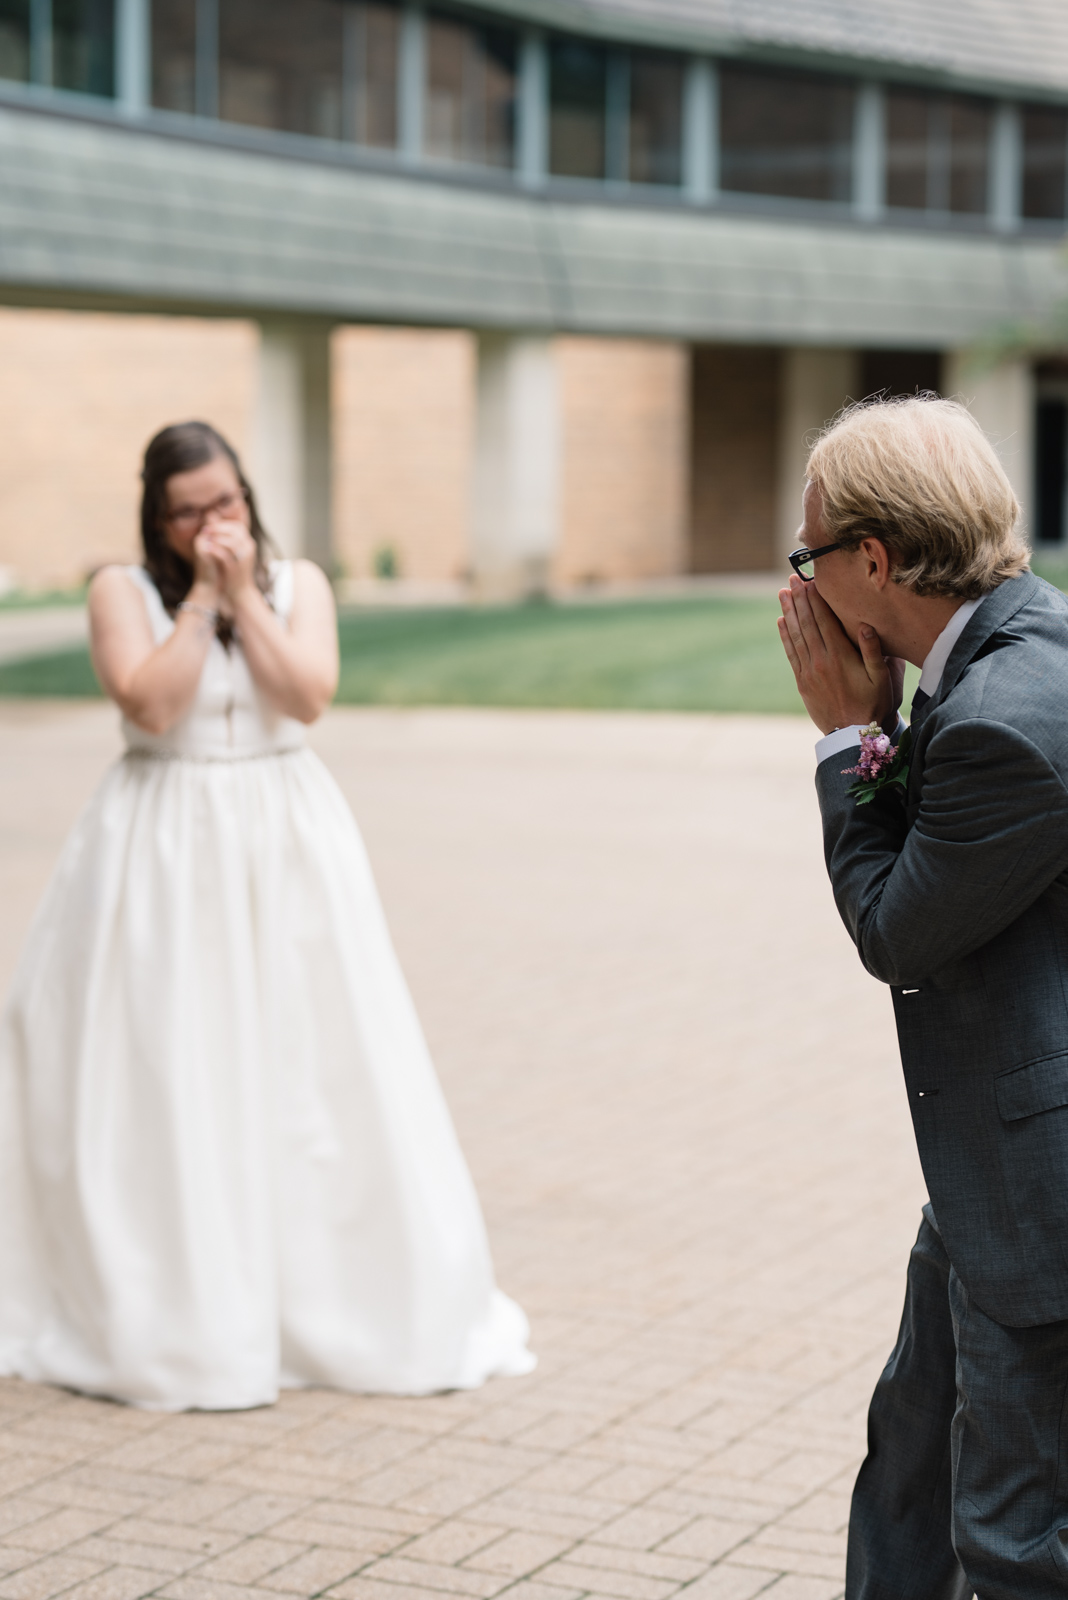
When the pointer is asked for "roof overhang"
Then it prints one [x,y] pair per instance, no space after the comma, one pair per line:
[664,30]
[121,217]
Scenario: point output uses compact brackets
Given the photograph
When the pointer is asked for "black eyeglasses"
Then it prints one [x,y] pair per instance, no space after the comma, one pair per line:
[803,559]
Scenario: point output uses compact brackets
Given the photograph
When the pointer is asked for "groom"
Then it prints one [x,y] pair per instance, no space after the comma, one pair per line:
[953,884]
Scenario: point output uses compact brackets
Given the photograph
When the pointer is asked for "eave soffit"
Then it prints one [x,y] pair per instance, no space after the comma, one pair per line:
[1008,48]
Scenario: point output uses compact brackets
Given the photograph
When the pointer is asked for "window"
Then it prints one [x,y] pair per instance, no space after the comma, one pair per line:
[577,95]
[907,149]
[969,155]
[324,67]
[938,152]
[655,154]
[897,372]
[174,54]
[372,49]
[280,65]
[1045,162]
[786,134]
[470,93]
[1051,468]
[83,46]
[15,39]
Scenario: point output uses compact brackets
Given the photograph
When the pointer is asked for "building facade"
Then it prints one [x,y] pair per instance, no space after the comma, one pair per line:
[528,291]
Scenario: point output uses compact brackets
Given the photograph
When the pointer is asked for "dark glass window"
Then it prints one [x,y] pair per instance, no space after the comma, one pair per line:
[372,48]
[1051,466]
[15,39]
[470,93]
[907,149]
[655,118]
[786,134]
[897,372]
[280,65]
[577,98]
[83,45]
[969,155]
[1045,162]
[938,152]
[174,54]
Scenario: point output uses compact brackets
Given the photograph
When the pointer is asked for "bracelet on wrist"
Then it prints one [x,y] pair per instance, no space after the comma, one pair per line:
[201,611]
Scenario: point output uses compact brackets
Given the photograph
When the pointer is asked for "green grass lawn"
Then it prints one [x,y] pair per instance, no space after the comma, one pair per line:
[66,673]
[709,654]
[1052,567]
[20,600]
[700,655]
[680,655]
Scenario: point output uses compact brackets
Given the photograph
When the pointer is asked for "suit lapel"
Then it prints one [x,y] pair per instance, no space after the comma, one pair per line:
[996,609]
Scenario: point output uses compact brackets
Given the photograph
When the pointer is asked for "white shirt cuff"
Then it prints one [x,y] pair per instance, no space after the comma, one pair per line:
[841,739]
[833,744]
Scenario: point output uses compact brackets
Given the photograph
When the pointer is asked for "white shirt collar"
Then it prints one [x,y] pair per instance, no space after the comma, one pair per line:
[935,661]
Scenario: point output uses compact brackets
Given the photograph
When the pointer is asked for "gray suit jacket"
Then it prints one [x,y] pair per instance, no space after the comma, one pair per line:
[956,895]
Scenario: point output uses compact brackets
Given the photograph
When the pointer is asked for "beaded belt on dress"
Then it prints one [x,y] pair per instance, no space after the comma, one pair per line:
[210,759]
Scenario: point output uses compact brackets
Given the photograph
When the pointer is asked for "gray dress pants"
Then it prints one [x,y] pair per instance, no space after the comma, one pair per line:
[965,1485]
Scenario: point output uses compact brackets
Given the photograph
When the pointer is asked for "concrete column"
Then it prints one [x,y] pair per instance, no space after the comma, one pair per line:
[869,152]
[41,42]
[516,485]
[411,85]
[814,385]
[133,89]
[700,132]
[1003,403]
[206,85]
[532,107]
[617,117]
[291,458]
[1006,168]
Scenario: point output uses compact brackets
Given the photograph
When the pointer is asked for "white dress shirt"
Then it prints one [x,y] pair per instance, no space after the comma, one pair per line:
[930,678]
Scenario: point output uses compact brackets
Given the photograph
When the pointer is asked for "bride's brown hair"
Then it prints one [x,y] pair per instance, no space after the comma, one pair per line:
[182,448]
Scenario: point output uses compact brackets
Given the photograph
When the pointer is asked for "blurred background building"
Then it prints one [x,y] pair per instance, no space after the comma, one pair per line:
[528,291]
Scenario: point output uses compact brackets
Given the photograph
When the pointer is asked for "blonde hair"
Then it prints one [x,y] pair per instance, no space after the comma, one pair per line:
[920,474]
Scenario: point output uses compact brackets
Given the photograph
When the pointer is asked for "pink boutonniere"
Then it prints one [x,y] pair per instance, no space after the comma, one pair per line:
[882,765]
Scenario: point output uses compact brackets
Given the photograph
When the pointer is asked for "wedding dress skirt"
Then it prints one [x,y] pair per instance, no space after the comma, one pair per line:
[226,1165]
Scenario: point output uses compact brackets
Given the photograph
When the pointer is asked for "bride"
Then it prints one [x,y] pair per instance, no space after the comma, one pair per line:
[226,1166]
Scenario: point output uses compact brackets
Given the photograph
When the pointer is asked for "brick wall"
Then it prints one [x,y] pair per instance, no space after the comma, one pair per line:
[734,451]
[625,406]
[80,396]
[403,431]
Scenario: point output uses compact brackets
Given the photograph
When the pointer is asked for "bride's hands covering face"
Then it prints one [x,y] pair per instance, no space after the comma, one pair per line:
[205,566]
[231,550]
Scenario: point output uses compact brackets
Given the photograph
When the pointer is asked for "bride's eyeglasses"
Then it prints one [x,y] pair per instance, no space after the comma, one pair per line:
[194,517]
[802,560]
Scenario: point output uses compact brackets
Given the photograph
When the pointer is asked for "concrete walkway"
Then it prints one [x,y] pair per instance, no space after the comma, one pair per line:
[680,1097]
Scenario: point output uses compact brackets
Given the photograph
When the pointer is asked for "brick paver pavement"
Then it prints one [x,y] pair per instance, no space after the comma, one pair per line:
[680,1098]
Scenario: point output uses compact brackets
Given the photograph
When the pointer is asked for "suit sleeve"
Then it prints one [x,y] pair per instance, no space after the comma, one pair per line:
[990,837]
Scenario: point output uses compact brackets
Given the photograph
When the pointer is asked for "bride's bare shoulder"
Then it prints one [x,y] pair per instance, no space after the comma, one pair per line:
[114,579]
[312,592]
[310,577]
[114,596]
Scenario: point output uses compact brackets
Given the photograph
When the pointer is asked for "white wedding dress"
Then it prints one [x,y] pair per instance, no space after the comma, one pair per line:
[226,1165]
